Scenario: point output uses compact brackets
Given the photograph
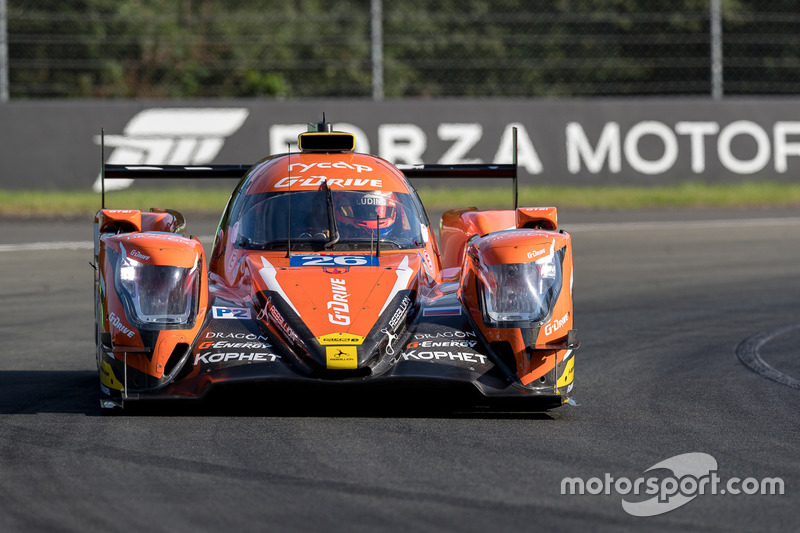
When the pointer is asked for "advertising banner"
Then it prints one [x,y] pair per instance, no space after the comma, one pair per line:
[640,142]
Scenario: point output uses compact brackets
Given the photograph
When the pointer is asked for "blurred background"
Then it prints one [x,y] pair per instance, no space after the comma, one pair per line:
[409,49]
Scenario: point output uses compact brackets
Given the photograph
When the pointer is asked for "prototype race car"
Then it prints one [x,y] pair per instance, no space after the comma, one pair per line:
[325,268]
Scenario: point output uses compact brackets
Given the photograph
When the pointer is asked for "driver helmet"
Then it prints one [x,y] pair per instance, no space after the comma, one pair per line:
[363,209]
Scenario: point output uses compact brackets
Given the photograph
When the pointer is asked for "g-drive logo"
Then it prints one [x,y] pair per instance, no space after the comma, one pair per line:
[693,474]
[171,136]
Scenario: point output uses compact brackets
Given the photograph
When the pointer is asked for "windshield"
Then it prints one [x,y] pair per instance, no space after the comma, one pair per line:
[329,219]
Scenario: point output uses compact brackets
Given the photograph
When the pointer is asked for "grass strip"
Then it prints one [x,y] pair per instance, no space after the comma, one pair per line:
[212,201]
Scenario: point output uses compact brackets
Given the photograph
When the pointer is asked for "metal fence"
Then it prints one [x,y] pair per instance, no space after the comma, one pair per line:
[414,48]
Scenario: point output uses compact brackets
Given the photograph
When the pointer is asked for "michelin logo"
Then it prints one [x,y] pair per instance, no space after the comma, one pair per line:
[171,136]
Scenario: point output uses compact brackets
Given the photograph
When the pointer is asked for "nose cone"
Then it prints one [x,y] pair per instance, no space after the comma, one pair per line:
[335,310]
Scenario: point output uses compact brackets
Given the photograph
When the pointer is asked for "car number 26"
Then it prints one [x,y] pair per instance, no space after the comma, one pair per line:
[333,260]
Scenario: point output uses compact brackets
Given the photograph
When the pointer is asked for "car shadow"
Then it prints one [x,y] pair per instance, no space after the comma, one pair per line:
[67,391]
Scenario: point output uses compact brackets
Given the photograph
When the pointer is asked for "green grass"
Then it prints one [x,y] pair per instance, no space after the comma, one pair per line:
[212,201]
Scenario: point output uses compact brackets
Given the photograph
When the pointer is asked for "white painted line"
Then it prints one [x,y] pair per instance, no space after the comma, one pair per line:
[58,245]
[602,226]
[676,224]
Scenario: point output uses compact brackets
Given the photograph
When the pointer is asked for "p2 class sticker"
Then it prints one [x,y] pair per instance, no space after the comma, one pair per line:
[318,260]
[231,313]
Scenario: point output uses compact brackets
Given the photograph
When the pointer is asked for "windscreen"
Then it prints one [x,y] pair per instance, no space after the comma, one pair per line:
[331,219]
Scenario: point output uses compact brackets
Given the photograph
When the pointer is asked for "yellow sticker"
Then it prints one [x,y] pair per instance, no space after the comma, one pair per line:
[341,357]
[108,378]
[569,373]
[340,338]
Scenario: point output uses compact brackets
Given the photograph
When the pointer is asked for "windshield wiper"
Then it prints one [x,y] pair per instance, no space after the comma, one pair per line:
[331,217]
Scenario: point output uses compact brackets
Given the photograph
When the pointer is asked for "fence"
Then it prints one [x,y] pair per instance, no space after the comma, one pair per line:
[412,49]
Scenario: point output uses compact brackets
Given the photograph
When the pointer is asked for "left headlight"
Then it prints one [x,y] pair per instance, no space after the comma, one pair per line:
[158,296]
[516,292]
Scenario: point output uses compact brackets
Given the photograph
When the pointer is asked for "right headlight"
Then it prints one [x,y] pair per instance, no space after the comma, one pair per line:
[158,296]
[516,292]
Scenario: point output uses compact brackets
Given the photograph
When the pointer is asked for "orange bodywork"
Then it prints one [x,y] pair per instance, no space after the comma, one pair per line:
[494,308]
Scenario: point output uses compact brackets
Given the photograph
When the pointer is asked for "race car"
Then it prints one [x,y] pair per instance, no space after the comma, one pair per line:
[325,269]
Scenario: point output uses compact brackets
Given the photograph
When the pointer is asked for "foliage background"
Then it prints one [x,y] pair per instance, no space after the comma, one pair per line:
[445,48]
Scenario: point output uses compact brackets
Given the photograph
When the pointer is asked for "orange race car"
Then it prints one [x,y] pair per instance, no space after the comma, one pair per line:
[325,268]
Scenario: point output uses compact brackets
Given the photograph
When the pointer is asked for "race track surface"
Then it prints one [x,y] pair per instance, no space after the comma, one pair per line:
[689,323]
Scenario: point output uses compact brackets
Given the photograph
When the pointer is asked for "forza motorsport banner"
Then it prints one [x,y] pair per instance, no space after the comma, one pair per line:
[56,144]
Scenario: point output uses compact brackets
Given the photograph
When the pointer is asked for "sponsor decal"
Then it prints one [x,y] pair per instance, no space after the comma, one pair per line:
[567,375]
[446,335]
[392,338]
[466,357]
[374,200]
[270,276]
[339,305]
[107,377]
[222,345]
[341,357]
[220,357]
[138,255]
[238,336]
[554,326]
[171,136]
[333,260]
[230,313]
[157,236]
[315,182]
[400,314]
[536,253]
[454,310]
[274,317]
[442,344]
[302,167]
[404,273]
[340,338]
[117,323]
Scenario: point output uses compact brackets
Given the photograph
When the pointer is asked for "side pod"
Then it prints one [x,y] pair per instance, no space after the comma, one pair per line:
[517,286]
[151,298]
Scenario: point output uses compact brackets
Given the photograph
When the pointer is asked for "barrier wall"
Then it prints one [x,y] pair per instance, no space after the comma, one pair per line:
[56,144]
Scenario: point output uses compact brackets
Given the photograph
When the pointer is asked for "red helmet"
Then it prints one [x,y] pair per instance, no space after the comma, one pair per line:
[361,209]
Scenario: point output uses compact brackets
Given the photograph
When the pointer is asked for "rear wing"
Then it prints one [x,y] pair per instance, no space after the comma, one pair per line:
[464,171]
[154,172]
[469,171]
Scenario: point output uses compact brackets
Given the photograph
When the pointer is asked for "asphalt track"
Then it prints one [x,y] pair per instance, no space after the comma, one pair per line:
[689,320]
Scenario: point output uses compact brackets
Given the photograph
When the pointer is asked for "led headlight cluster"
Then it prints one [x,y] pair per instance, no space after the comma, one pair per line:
[521,291]
[158,296]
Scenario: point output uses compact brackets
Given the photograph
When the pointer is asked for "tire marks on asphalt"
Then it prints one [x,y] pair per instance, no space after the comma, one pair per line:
[749,354]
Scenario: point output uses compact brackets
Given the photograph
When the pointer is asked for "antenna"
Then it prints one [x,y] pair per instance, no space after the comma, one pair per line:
[102,168]
[289,200]
[514,161]
[378,235]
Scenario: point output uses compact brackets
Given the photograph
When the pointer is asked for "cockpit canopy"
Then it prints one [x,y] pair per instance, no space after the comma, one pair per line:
[330,219]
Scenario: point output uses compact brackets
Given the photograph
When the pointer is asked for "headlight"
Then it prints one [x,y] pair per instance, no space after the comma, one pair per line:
[521,291]
[158,296]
